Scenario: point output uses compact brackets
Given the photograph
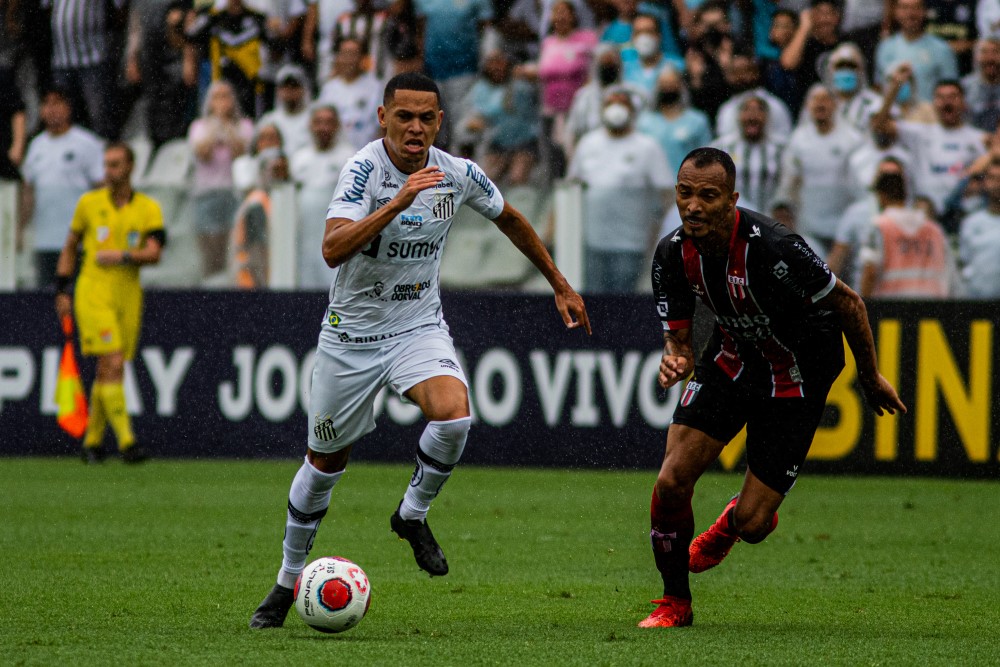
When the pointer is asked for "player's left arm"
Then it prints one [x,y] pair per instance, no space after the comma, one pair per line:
[881,395]
[517,228]
[154,238]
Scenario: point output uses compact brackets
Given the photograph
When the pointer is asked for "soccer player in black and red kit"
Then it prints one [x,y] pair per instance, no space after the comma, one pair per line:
[775,351]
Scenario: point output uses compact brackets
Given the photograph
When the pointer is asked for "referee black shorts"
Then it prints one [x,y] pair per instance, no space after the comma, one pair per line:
[779,430]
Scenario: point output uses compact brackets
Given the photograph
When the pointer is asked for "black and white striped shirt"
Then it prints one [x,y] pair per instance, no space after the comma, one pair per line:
[79,32]
[758,170]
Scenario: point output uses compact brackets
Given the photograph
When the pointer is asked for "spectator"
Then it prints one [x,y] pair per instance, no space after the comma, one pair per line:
[775,78]
[250,261]
[906,255]
[82,56]
[954,21]
[643,58]
[982,86]
[605,72]
[365,24]
[743,77]
[62,163]
[291,108]
[13,130]
[864,23]
[217,138]
[677,127]
[356,94]
[930,57]
[979,242]
[627,183]
[451,31]
[284,21]
[845,74]
[988,19]
[563,63]
[757,155]
[316,169]
[160,62]
[864,161]
[710,48]
[317,34]
[815,176]
[855,226]
[818,33]
[502,121]
[521,30]
[234,37]
[911,107]
[402,41]
[943,150]
[619,29]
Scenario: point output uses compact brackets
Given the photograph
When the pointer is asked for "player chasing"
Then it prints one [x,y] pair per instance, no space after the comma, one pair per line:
[781,316]
[385,233]
[121,230]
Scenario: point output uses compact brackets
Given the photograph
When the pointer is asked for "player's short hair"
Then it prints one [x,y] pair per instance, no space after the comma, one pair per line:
[121,146]
[759,99]
[61,92]
[794,16]
[410,81]
[706,156]
[323,106]
[954,83]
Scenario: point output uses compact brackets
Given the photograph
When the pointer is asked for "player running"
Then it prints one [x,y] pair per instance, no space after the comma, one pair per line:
[385,233]
[775,352]
[121,230]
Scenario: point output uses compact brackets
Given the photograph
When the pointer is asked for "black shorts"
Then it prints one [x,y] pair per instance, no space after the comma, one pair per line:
[779,430]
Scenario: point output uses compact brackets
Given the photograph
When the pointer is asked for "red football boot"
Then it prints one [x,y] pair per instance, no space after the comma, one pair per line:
[670,612]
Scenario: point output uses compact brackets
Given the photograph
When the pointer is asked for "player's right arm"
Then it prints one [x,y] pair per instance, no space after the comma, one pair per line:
[675,308]
[64,274]
[345,237]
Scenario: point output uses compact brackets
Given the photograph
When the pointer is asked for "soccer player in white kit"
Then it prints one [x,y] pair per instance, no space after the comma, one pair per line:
[385,232]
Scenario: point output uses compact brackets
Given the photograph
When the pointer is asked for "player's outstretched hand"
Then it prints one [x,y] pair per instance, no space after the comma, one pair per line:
[673,369]
[881,396]
[574,313]
[419,181]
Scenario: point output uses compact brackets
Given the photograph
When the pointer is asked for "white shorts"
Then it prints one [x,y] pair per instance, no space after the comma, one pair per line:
[345,382]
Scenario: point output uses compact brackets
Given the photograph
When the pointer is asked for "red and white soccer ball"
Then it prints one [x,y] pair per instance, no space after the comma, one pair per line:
[332,594]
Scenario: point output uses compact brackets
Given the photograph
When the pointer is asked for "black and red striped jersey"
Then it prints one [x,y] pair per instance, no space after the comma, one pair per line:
[769,328]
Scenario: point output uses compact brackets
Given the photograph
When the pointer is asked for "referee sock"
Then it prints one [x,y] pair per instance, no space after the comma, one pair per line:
[671,530]
[308,501]
[97,420]
[113,399]
[441,447]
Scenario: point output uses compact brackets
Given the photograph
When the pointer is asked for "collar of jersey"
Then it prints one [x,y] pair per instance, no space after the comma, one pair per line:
[393,166]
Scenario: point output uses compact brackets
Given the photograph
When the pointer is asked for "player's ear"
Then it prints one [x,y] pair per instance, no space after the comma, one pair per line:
[381,116]
[440,118]
[733,198]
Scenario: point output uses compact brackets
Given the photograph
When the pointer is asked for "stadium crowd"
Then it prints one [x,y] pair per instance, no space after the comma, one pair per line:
[868,126]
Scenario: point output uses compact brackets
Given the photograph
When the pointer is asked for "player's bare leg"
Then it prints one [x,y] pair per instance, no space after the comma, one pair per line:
[308,500]
[688,455]
[444,400]
[751,516]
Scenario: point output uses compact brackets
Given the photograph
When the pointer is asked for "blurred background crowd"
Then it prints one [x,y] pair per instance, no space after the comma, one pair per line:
[868,126]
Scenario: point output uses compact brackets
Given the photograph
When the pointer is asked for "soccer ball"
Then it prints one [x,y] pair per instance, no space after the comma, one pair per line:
[332,594]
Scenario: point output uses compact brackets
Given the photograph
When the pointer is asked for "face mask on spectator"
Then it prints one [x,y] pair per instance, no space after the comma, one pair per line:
[616,116]
[607,73]
[646,44]
[905,93]
[667,98]
[845,80]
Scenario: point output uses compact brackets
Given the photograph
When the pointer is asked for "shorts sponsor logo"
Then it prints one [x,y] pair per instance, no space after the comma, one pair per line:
[344,338]
[333,319]
[323,428]
[448,363]
[411,220]
[444,206]
[690,393]
[661,309]
[409,292]
[361,170]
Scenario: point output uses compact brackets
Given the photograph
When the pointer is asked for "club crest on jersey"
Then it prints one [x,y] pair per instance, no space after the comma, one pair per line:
[690,393]
[444,205]
[323,428]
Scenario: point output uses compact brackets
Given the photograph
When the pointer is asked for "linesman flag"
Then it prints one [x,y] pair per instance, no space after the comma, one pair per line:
[72,402]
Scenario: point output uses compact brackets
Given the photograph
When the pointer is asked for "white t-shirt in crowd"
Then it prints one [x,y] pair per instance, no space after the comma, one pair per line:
[942,155]
[357,104]
[60,169]
[979,253]
[294,128]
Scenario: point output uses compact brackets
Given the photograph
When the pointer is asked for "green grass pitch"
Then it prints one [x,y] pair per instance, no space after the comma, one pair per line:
[162,564]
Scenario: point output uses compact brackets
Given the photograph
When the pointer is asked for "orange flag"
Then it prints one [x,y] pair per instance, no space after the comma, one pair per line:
[72,402]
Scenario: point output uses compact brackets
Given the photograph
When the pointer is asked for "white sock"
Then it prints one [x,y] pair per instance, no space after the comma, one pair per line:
[441,447]
[308,500]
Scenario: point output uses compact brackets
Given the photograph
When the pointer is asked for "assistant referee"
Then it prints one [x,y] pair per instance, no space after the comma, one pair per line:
[120,230]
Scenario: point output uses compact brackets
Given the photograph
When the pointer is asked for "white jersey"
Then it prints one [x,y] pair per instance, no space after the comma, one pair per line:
[942,156]
[391,286]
